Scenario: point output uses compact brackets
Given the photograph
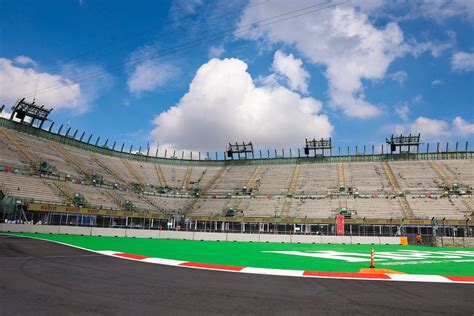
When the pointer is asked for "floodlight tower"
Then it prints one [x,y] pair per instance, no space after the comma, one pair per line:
[23,109]
[318,145]
[402,142]
[240,149]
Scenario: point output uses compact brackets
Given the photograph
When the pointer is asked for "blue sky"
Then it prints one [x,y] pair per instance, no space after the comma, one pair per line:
[197,74]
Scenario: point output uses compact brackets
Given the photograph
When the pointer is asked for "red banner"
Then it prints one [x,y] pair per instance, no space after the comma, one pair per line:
[340,224]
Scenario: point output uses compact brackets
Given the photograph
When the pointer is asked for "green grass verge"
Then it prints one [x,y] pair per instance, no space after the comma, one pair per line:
[254,255]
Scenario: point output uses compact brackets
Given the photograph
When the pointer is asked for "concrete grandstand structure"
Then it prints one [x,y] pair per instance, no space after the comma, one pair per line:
[53,175]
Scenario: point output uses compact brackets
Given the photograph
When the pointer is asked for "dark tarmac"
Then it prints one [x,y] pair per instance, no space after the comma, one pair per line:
[39,277]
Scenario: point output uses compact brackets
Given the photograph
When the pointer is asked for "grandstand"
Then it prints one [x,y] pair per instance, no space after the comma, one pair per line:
[48,174]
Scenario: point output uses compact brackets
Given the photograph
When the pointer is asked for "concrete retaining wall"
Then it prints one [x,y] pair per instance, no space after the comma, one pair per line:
[306,239]
[275,238]
[140,233]
[71,230]
[458,242]
[243,237]
[168,234]
[108,232]
[210,236]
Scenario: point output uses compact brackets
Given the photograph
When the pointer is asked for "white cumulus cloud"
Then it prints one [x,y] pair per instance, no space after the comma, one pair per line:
[437,130]
[216,51]
[150,74]
[25,60]
[462,127]
[402,111]
[462,61]
[443,9]
[342,39]
[399,76]
[53,90]
[292,69]
[224,105]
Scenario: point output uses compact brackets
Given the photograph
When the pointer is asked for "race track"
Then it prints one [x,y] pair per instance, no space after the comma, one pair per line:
[39,277]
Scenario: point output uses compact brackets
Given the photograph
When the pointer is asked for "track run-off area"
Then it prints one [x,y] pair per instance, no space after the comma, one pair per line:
[393,262]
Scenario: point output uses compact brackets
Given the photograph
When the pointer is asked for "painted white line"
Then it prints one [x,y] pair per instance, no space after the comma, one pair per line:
[267,271]
[167,262]
[106,252]
[419,278]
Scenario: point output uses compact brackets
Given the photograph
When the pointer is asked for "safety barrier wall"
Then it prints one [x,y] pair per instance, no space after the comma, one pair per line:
[167,234]
[458,242]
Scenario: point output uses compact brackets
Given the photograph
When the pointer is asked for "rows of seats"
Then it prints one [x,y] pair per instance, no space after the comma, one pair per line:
[319,208]
[461,171]
[317,178]
[442,207]
[417,176]
[147,172]
[375,208]
[202,176]
[233,179]
[271,180]
[24,186]
[93,195]
[9,155]
[174,175]
[367,177]
[274,179]
[28,187]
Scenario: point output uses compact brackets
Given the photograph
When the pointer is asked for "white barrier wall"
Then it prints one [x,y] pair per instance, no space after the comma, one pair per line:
[210,236]
[108,232]
[169,234]
[140,233]
[73,230]
[306,239]
[275,238]
[243,237]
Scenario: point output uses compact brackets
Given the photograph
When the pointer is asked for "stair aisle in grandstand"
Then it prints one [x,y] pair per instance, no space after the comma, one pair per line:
[233,179]
[201,176]
[187,178]
[291,191]
[9,154]
[113,167]
[416,176]
[159,174]
[136,176]
[460,171]
[174,175]
[367,178]
[404,205]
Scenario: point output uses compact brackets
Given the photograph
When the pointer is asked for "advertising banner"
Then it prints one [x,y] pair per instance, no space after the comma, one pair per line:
[340,224]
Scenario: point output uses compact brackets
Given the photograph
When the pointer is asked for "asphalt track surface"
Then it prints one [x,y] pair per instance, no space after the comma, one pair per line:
[39,277]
